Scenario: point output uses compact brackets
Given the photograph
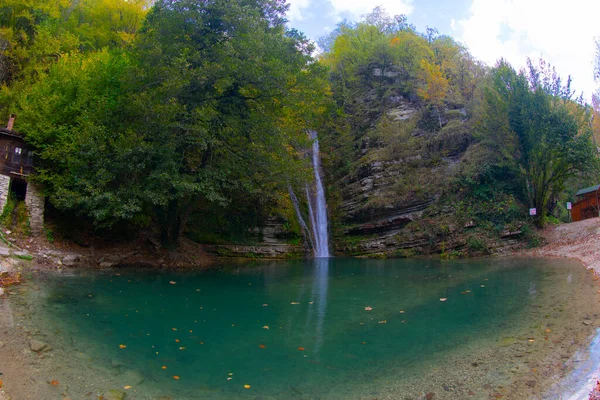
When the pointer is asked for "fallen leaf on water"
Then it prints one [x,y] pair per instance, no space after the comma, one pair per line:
[301,348]
[266,327]
[54,382]
[176,340]
[383,322]
[174,329]
[482,285]
[164,367]
[262,346]
[443,299]
[229,378]
[265,305]
[401,311]
[368,308]
[172,282]
[182,348]
[295,303]
[230,374]
[122,346]
[310,302]
[127,387]
[364,342]
[247,386]
[175,377]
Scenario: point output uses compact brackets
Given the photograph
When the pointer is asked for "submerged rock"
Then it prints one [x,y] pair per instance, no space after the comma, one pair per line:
[132,378]
[37,346]
[114,395]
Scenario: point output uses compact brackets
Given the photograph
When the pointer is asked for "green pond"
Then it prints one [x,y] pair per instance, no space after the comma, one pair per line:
[317,329]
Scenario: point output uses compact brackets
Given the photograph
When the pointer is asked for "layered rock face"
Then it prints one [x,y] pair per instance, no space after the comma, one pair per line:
[393,203]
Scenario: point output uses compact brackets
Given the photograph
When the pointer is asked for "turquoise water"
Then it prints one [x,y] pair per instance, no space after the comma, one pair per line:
[300,329]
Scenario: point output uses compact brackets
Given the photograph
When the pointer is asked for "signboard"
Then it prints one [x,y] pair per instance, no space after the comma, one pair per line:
[569,206]
[532,211]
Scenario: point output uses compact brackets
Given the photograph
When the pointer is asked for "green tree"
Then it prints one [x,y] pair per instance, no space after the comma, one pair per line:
[219,83]
[529,120]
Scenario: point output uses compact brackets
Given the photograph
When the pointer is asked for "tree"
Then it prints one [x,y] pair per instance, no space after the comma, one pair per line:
[217,83]
[528,120]
[434,86]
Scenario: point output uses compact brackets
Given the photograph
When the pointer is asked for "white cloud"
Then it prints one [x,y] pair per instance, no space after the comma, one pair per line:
[355,8]
[560,32]
[296,9]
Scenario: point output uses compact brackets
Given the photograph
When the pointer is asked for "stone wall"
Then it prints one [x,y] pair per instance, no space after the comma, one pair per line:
[34,199]
[4,188]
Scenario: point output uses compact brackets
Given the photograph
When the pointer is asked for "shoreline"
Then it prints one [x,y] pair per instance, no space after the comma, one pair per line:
[577,241]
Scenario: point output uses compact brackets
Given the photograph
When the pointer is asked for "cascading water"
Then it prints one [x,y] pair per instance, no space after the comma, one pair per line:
[317,206]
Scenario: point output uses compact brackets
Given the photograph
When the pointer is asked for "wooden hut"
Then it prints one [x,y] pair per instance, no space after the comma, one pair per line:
[16,164]
[586,205]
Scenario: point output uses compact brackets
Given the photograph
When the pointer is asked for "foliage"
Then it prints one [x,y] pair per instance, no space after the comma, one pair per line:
[207,107]
[529,122]
[36,33]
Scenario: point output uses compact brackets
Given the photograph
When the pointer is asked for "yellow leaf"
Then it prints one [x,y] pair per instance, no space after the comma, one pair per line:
[175,377]
[127,387]
[122,346]
[247,386]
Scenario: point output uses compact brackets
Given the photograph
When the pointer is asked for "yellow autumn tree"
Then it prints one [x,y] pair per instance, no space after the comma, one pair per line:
[434,86]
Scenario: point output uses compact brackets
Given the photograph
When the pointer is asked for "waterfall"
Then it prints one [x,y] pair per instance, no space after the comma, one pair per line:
[303,227]
[317,206]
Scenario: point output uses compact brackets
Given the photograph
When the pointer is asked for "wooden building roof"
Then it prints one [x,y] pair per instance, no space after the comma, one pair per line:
[587,190]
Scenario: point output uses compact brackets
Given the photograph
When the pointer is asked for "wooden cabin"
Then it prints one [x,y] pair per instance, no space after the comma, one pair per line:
[586,205]
[16,164]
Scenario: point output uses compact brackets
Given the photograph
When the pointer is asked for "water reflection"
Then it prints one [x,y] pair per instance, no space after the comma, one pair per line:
[319,294]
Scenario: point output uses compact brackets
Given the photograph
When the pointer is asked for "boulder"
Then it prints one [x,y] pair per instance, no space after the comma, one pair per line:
[70,260]
[37,346]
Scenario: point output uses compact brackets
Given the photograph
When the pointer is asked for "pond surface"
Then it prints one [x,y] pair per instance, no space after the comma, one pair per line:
[318,329]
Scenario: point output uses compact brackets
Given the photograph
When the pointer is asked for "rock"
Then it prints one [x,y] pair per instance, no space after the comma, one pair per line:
[107,264]
[132,378]
[587,322]
[70,260]
[1,292]
[1,345]
[37,346]
[21,254]
[114,395]
[4,251]
[117,363]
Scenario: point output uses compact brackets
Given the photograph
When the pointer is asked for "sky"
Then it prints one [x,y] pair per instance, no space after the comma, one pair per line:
[561,32]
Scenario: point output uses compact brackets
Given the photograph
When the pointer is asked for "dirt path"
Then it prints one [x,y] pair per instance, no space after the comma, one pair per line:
[577,240]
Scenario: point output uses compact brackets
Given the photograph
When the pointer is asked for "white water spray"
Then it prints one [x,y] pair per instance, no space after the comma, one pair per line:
[317,206]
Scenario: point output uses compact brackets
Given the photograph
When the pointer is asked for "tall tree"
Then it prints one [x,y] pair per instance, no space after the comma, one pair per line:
[528,116]
[215,80]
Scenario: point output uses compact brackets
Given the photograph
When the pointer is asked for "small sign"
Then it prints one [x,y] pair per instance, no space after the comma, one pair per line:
[569,206]
[532,211]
